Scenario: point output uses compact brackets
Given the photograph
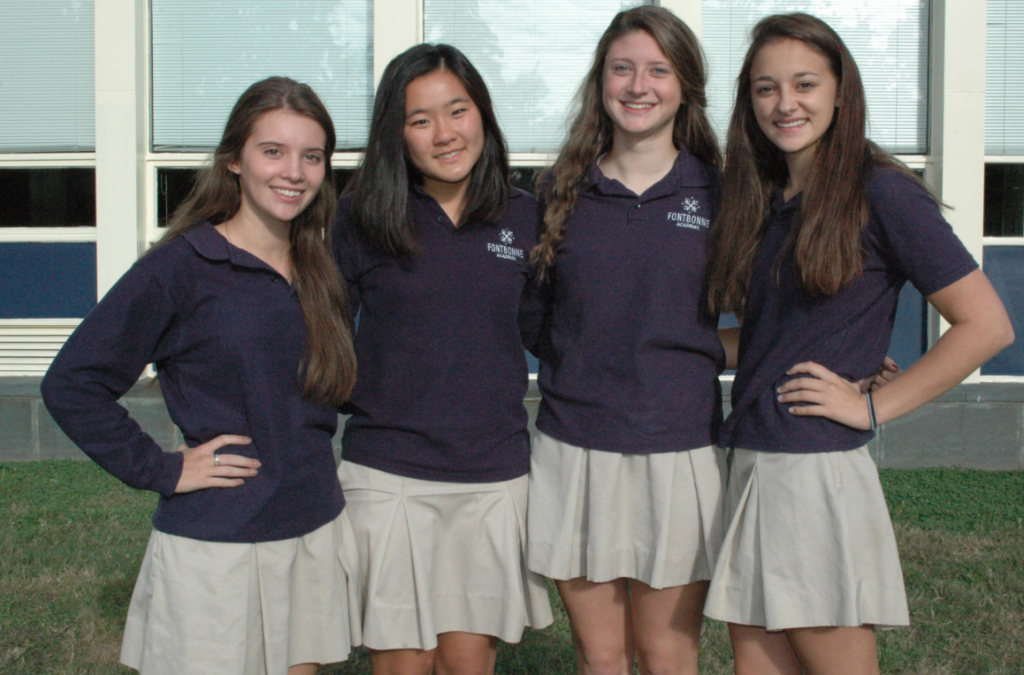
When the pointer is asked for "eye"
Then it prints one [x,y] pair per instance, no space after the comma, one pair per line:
[272,152]
[620,68]
[805,85]
[763,89]
[459,111]
[661,71]
[314,158]
[418,122]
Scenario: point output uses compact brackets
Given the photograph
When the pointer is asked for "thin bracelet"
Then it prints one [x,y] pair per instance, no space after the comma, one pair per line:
[871,412]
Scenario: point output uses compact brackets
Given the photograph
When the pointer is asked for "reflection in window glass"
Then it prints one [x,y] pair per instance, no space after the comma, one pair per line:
[48,197]
[174,185]
[532,55]
[205,54]
[1004,200]
[888,39]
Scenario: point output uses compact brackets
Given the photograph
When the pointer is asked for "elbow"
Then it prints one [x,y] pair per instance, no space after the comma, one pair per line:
[1006,336]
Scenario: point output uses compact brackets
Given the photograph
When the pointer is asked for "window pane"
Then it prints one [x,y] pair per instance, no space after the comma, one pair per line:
[531,53]
[48,99]
[1004,73]
[48,197]
[1004,266]
[174,185]
[205,54]
[1004,200]
[888,39]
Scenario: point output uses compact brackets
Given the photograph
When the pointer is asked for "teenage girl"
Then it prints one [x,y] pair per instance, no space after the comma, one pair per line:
[818,231]
[625,486]
[432,241]
[242,311]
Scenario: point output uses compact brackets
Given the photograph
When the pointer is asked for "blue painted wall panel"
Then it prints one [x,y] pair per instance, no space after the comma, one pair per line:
[47,281]
[1004,266]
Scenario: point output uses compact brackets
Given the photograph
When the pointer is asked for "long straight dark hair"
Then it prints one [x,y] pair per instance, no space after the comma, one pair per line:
[591,132]
[826,242]
[380,207]
[328,368]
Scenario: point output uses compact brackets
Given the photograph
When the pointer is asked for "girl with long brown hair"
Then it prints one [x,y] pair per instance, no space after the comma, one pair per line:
[242,311]
[625,484]
[818,231]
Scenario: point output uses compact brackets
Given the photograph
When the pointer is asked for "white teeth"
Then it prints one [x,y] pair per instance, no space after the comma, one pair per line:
[449,155]
[287,193]
[787,125]
[639,106]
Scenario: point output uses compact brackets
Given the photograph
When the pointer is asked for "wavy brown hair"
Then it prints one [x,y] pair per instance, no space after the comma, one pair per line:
[833,210]
[328,367]
[590,134]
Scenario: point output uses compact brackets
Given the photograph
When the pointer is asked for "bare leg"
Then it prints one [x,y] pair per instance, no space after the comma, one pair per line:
[602,630]
[402,661]
[666,625]
[758,652]
[836,650]
[304,669]
[461,653]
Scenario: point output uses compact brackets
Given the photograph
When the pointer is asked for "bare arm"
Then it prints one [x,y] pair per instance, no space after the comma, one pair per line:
[979,329]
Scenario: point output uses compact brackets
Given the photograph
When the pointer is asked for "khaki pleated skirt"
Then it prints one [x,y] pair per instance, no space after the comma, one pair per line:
[809,543]
[208,608]
[605,515]
[436,557]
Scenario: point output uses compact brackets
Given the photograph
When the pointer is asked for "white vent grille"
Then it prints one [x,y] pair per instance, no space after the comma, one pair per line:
[27,346]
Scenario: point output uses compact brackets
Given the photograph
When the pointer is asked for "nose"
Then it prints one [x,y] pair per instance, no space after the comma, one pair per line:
[444,132]
[291,169]
[638,83]
[787,100]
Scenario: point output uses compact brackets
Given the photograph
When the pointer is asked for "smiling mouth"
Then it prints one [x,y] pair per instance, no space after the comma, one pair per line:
[449,155]
[791,125]
[287,193]
[638,106]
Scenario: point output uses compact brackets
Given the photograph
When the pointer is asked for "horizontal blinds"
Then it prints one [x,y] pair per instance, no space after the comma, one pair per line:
[28,346]
[206,53]
[1004,78]
[888,40]
[47,88]
[532,54]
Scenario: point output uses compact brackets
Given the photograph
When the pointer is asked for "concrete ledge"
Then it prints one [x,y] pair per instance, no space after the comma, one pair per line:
[974,426]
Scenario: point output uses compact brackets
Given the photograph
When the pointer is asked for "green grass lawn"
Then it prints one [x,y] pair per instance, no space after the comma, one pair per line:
[72,538]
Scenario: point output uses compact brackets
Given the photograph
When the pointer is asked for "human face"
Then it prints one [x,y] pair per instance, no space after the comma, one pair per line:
[641,92]
[281,168]
[444,133]
[795,94]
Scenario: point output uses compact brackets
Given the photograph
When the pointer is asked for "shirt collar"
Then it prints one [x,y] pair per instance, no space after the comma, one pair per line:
[212,245]
[687,171]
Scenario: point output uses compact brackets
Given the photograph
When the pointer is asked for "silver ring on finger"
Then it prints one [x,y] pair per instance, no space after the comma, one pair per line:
[216,460]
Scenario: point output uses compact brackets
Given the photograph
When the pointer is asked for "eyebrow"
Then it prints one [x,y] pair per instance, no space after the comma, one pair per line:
[457,99]
[803,73]
[316,148]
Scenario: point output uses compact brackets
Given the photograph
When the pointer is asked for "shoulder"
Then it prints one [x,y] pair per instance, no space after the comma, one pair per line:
[889,188]
[523,209]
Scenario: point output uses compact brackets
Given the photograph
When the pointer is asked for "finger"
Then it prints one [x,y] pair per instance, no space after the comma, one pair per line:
[808,410]
[803,396]
[890,365]
[227,439]
[232,472]
[803,383]
[215,482]
[238,460]
[812,368]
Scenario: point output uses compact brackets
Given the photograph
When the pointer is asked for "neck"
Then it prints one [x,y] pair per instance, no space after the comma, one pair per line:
[799,165]
[269,242]
[639,163]
[451,196]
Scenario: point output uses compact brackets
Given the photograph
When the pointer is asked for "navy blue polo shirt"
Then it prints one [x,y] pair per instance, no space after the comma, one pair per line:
[905,239]
[442,372]
[632,357]
[226,333]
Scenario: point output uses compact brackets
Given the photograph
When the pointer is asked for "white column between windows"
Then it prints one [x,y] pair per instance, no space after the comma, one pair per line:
[397,25]
[690,11]
[120,136]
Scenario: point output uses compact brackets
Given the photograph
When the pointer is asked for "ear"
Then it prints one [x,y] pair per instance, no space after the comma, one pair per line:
[235,167]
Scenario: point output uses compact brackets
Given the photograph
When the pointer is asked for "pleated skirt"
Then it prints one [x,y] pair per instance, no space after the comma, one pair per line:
[809,543]
[655,518]
[209,608]
[436,557]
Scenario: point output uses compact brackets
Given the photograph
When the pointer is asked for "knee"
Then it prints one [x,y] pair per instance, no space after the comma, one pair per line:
[456,662]
[604,660]
[662,663]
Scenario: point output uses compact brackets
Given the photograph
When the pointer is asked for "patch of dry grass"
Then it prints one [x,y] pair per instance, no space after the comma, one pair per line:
[72,538]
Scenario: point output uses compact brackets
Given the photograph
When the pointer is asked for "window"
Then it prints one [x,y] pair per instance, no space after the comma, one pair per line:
[205,54]
[48,197]
[1004,73]
[888,39]
[531,54]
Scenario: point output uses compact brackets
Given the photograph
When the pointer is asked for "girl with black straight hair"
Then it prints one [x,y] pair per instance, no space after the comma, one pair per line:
[432,240]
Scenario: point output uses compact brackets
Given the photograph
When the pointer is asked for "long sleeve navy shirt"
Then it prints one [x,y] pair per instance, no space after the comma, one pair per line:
[227,335]
[442,372]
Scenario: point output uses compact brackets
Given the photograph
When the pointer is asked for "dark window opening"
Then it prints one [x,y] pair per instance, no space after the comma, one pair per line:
[1004,200]
[48,197]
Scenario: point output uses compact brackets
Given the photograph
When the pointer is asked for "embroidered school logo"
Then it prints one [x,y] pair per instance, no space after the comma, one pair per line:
[688,217]
[505,250]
